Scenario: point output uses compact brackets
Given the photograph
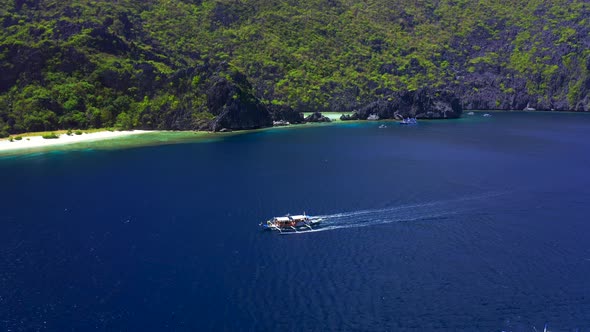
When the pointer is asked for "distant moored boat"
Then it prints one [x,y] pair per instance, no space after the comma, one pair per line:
[409,121]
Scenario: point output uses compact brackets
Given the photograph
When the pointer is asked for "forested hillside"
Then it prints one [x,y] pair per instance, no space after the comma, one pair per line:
[159,63]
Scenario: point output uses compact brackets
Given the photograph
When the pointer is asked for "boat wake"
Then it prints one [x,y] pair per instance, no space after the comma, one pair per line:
[436,210]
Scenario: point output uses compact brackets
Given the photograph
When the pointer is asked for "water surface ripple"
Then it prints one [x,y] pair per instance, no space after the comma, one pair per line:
[477,224]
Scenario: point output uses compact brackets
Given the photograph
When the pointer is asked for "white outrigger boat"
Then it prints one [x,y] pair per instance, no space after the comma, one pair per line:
[291,223]
[408,121]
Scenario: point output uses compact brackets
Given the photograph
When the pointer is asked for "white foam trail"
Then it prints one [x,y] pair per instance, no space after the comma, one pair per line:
[330,225]
[404,213]
[402,207]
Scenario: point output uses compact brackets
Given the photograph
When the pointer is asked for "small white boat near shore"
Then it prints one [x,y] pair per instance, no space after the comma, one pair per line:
[409,121]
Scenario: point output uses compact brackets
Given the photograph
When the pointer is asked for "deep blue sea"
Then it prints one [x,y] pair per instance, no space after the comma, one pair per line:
[476,224]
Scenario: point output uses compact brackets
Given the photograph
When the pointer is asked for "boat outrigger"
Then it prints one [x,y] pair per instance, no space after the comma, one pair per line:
[291,223]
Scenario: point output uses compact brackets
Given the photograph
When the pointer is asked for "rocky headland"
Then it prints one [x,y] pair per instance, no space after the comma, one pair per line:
[422,104]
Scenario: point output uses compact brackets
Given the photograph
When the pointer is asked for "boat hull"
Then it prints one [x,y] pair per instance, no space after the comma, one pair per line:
[297,227]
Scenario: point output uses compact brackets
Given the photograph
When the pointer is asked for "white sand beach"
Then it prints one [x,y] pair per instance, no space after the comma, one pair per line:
[30,142]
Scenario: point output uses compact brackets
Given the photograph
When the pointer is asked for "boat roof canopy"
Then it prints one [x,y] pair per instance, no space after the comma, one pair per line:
[289,218]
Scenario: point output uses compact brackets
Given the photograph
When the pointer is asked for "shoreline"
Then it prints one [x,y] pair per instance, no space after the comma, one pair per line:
[28,142]
[33,143]
[105,139]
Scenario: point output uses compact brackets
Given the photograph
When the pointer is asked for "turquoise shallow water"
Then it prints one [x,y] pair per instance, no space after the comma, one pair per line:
[470,224]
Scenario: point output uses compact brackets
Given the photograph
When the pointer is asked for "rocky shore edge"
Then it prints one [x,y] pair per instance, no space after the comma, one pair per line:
[235,107]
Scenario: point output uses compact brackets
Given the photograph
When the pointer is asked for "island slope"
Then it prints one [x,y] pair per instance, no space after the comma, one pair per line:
[151,64]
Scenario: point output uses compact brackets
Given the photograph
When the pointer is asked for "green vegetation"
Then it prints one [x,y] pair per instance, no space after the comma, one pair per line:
[128,64]
[50,136]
